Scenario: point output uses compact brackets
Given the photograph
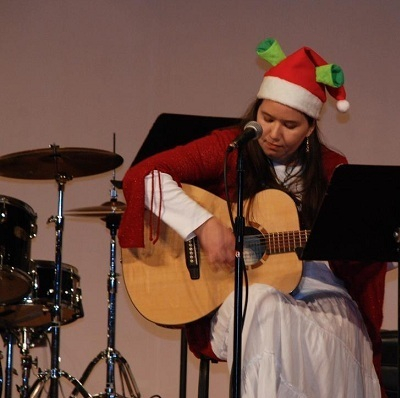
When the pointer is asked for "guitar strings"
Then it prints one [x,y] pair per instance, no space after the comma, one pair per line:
[279,241]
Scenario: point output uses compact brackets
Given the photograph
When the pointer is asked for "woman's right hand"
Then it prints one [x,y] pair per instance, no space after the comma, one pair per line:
[218,243]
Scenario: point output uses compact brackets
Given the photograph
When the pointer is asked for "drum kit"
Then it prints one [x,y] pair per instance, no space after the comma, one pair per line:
[38,297]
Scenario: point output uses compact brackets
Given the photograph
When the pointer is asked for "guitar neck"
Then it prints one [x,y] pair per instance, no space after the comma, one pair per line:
[259,244]
[285,242]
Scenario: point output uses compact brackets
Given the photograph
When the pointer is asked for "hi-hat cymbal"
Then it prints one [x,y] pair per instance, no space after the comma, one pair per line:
[49,163]
[98,211]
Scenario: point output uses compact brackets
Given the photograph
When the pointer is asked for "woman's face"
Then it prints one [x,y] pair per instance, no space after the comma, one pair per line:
[284,129]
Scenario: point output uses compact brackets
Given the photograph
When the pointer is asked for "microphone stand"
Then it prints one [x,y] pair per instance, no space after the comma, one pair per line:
[235,386]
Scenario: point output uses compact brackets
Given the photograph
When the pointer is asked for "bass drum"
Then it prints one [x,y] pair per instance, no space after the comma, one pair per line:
[17,228]
[34,311]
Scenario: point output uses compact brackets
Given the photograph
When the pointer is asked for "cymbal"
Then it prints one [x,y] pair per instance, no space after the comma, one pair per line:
[49,163]
[98,211]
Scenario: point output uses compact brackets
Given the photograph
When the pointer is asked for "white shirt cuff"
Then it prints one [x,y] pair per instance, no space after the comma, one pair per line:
[178,210]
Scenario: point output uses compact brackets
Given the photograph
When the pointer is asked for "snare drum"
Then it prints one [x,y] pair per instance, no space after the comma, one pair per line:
[17,228]
[35,309]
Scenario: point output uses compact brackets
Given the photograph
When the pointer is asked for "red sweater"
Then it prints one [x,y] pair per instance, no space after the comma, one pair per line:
[201,163]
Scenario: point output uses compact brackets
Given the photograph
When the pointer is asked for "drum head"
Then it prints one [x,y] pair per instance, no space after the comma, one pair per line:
[14,285]
[34,310]
[17,228]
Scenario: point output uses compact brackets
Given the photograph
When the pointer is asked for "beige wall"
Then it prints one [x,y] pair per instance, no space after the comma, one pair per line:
[74,72]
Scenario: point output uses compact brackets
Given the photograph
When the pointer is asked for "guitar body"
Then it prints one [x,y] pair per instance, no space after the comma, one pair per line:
[158,281]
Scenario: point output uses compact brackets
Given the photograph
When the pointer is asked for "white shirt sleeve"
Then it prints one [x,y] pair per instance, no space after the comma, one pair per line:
[178,210]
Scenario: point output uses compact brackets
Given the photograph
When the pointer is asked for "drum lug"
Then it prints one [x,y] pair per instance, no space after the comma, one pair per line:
[3,214]
[34,230]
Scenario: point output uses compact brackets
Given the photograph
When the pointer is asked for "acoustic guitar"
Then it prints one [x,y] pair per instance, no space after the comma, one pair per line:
[171,283]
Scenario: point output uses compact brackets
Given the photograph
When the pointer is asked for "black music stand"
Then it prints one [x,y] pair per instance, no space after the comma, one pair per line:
[359,219]
[172,129]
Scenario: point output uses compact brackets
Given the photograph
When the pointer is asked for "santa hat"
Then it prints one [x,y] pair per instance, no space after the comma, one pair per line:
[301,79]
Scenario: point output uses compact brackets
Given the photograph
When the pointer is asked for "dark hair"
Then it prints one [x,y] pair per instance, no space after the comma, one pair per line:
[312,176]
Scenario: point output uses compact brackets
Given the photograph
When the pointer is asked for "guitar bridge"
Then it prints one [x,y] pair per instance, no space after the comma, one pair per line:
[192,257]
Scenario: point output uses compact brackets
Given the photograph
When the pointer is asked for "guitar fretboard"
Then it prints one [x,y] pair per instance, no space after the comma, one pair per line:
[284,242]
[257,245]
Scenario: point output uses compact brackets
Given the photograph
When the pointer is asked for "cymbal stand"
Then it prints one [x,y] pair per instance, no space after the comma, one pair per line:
[26,361]
[110,354]
[55,373]
[9,338]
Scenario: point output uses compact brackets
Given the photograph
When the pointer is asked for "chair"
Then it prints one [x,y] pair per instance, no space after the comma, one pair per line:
[389,362]
[204,371]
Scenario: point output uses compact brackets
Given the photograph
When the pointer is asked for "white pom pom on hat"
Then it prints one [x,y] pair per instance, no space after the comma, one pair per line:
[343,106]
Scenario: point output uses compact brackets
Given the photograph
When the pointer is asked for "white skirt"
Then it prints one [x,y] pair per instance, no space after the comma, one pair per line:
[317,348]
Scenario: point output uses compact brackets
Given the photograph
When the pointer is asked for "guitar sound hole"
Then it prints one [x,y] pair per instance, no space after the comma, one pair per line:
[254,247]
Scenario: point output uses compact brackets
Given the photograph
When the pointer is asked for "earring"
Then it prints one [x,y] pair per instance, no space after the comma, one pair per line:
[307,145]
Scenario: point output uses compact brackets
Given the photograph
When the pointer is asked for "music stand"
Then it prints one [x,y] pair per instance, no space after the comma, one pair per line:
[359,219]
[172,129]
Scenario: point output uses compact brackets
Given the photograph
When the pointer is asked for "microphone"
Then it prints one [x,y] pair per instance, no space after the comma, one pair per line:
[251,131]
